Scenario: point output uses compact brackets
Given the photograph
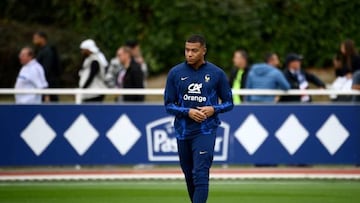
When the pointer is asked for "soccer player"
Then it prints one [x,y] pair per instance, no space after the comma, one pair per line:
[192,94]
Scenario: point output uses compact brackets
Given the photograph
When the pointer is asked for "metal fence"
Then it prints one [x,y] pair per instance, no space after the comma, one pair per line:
[78,93]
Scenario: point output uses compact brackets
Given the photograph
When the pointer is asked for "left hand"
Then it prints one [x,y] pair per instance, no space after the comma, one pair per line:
[47,98]
[207,110]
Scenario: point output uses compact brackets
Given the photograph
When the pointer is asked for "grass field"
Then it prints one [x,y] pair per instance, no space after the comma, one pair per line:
[239,191]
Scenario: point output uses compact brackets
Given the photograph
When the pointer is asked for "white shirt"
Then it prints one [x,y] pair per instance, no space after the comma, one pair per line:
[31,76]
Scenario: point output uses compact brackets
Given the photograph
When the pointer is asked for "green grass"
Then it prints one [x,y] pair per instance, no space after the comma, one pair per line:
[267,191]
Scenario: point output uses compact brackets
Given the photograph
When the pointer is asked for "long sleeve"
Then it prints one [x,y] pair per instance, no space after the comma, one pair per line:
[45,59]
[315,80]
[225,94]
[138,78]
[134,78]
[282,82]
[171,98]
[112,72]
[248,86]
[95,68]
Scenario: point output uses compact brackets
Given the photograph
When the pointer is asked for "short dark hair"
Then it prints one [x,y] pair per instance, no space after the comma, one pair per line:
[131,43]
[197,39]
[243,53]
[268,56]
[42,34]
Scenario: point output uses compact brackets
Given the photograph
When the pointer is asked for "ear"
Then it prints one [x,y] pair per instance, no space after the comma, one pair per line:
[204,51]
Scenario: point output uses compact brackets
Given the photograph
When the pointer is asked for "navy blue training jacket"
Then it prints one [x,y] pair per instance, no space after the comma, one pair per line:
[188,88]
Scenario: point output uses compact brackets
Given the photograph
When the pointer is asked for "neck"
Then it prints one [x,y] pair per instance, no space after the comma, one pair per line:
[42,44]
[197,65]
[27,62]
[127,63]
[293,70]
[271,64]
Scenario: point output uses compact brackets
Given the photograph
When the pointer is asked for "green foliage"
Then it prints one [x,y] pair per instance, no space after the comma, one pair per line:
[313,28]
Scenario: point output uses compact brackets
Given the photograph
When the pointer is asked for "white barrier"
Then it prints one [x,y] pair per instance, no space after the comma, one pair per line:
[78,93]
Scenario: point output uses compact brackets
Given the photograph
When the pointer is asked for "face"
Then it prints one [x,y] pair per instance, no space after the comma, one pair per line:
[295,65]
[194,53]
[85,52]
[342,48]
[122,56]
[275,60]
[37,40]
[136,51]
[239,60]
[24,56]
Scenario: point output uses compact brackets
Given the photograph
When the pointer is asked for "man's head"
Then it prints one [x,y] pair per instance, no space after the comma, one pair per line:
[40,38]
[348,47]
[124,55]
[134,46]
[88,47]
[240,59]
[26,55]
[293,61]
[195,50]
[272,59]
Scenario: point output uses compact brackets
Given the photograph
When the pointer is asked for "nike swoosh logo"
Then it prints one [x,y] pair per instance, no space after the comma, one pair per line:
[203,152]
[184,78]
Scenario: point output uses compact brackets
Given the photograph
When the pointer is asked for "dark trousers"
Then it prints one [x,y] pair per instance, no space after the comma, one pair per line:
[196,157]
[53,97]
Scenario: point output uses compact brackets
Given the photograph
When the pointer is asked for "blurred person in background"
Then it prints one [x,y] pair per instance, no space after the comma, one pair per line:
[131,76]
[266,76]
[31,76]
[138,57]
[298,78]
[346,62]
[48,57]
[112,72]
[93,69]
[272,59]
[239,74]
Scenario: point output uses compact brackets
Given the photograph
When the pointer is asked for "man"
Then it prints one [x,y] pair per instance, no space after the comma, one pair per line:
[113,71]
[93,70]
[192,94]
[131,76]
[265,76]
[48,57]
[298,79]
[31,76]
[272,59]
[137,55]
[239,74]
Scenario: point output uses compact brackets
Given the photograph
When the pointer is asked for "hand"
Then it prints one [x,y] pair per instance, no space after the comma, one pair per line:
[139,59]
[207,110]
[47,98]
[336,63]
[197,115]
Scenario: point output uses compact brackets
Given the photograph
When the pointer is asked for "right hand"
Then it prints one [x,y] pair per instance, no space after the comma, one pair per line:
[197,115]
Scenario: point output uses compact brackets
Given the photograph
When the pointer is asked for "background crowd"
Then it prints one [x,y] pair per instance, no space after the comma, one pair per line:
[271,74]
[128,69]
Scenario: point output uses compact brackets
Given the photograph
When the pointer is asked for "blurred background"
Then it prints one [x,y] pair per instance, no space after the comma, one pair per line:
[313,29]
